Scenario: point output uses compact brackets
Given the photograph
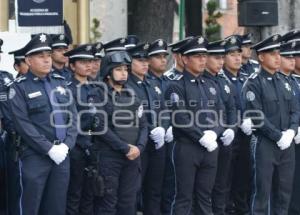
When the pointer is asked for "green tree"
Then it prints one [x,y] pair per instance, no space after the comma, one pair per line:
[213,28]
[95,33]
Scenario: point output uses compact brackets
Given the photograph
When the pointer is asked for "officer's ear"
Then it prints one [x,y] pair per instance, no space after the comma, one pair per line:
[72,66]
[184,59]
[260,57]
[16,67]
[27,60]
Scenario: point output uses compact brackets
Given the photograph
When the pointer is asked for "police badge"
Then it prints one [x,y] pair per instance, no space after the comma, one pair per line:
[287,86]
[227,89]
[140,111]
[212,90]
[61,90]
[157,90]
[250,96]
[174,97]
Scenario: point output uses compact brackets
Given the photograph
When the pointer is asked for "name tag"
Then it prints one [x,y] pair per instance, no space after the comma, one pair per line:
[34,95]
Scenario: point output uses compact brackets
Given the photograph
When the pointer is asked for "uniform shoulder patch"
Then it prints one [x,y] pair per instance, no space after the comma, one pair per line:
[54,75]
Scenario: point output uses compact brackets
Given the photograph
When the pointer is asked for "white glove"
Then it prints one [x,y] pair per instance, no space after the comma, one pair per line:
[246,126]
[297,137]
[228,136]
[64,148]
[208,140]
[57,154]
[286,139]
[169,135]
[158,136]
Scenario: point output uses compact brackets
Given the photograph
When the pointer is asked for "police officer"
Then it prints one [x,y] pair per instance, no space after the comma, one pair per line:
[196,106]
[13,148]
[175,72]
[60,45]
[111,46]
[19,64]
[214,65]
[153,157]
[249,65]
[115,45]
[98,55]
[45,118]
[269,98]
[121,139]
[292,47]
[5,79]
[158,62]
[297,58]
[241,184]
[132,41]
[81,63]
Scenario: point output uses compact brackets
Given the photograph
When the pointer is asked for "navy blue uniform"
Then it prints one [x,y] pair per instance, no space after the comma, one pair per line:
[44,184]
[273,95]
[173,74]
[241,159]
[250,67]
[79,201]
[153,160]
[5,78]
[169,181]
[65,72]
[121,175]
[195,167]
[294,205]
[12,152]
[221,188]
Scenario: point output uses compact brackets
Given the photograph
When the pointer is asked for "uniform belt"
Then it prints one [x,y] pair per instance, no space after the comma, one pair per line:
[56,142]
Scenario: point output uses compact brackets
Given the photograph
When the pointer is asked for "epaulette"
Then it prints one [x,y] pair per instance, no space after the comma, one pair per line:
[253,75]
[9,84]
[221,75]
[54,75]
[170,76]
[177,77]
[169,72]
[68,83]
[254,61]
[295,75]
[244,74]
[20,79]
[7,81]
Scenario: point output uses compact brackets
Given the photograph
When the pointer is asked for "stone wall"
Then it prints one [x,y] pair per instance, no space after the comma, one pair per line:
[112,15]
